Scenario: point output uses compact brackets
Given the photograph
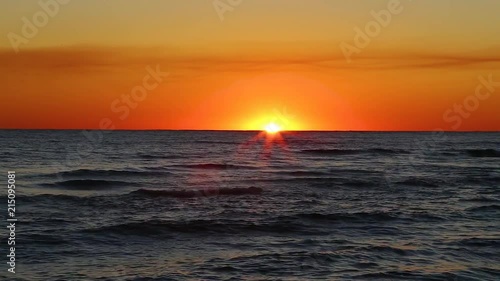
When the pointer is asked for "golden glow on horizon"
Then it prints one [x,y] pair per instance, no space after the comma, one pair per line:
[272,128]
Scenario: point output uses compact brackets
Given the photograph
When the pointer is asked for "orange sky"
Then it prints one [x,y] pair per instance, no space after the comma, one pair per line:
[300,79]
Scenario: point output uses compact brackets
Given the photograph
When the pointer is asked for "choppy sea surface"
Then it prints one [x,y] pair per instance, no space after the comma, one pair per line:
[183,205]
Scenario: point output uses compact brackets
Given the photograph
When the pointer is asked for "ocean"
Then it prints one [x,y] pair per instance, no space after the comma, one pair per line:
[214,205]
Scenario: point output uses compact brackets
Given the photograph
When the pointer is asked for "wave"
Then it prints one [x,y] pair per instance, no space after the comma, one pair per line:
[488,208]
[50,240]
[162,227]
[360,216]
[320,181]
[408,275]
[216,142]
[477,242]
[418,182]
[302,173]
[387,249]
[483,152]
[484,178]
[199,193]
[109,173]
[330,151]
[359,183]
[330,172]
[340,152]
[159,156]
[388,151]
[88,184]
[480,199]
[290,224]
[50,197]
[365,216]
[212,166]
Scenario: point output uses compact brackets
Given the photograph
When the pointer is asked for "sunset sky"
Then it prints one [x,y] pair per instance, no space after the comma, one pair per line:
[243,66]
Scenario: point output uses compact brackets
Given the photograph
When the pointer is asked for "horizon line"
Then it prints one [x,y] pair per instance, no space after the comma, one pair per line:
[241,130]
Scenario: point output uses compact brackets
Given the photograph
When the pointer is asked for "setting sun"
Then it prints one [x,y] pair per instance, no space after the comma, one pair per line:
[272,128]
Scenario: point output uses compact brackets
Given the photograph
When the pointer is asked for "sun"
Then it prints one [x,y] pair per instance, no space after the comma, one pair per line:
[272,128]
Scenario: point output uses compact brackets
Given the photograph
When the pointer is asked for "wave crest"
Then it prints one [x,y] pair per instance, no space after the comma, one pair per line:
[88,184]
[199,193]
[339,152]
[212,166]
[483,153]
[109,173]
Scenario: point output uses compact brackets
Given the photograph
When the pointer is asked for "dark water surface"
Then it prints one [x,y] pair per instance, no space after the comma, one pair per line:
[232,206]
